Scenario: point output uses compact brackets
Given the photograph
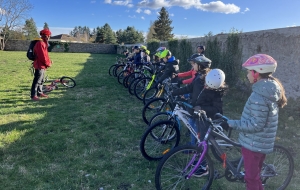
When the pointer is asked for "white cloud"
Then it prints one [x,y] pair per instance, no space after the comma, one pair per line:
[246,10]
[171,14]
[139,10]
[93,1]
[121,3]
[157,13]
[107,1]
[214,6]
[148,12]
[132,16]
[185,18]
[127,11]
[143,18]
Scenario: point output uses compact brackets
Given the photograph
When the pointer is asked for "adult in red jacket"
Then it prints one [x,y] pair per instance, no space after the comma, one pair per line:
[40,64]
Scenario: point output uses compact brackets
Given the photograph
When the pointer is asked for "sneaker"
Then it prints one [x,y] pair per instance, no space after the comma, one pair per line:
[43,95]
[202,171]
[35,98]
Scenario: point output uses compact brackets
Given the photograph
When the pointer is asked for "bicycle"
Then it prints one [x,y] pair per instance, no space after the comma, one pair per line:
[176,170]
[163,136]
[65,81]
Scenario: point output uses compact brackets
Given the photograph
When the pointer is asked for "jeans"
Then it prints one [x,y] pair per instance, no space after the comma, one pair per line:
[253,163]
[37,83]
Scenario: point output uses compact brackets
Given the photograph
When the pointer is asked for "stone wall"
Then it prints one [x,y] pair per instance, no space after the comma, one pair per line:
[21,45]
[282,44]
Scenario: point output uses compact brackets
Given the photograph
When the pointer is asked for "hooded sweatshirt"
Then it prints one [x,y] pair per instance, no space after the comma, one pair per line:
[259,121]
[170,68]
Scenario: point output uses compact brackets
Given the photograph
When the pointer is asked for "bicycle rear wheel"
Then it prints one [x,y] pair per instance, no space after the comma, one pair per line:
[173,169]
[278,169]
[158,139]
[67,82]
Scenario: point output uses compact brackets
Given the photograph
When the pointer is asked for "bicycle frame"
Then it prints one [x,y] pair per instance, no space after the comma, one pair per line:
[210,138]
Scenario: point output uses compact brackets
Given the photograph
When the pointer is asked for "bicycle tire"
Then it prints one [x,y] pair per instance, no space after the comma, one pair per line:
[140,87]
[111,68]
[150,108]
[122,75]
[150,94]
[67,82]
[159,139]
[279,163]
[174,167]
[132,84]
[160,116]
[118,69]
[130,78]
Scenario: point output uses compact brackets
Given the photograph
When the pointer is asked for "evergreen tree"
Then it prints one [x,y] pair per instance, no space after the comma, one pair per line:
[30,29]
[129,36]
[46,26]
[162,26]
[105,35]
[151,32]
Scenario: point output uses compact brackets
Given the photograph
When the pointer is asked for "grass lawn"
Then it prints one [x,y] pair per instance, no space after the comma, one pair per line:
[88,137]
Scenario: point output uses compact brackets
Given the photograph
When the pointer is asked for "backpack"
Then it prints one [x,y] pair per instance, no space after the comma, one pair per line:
[30,54]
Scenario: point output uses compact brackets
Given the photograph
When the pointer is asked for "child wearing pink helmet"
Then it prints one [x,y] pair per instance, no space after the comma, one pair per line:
[259,121]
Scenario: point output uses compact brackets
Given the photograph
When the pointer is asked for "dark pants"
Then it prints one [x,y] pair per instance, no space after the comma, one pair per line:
[37,83]
[253,163]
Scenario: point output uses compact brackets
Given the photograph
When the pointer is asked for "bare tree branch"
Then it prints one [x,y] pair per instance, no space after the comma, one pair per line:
[12,15]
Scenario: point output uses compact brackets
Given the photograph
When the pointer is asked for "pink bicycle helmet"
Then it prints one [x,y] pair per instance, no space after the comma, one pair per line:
[260,63]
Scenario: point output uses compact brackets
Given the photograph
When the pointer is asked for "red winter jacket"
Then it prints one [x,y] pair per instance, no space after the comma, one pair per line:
[42,60]
[186,74]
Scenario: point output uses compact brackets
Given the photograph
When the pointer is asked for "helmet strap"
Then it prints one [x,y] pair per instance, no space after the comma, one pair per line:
[255,75]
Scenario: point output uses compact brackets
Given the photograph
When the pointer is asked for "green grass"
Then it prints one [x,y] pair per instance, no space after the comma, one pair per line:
[87,137]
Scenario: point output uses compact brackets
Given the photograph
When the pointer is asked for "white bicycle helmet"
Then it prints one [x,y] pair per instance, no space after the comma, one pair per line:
[215,78]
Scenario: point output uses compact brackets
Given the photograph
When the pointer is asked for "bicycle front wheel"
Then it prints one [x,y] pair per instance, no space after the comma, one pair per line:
[278,169]
[67,82]
[154,106]
[159,139]
[173,169]
[150,94]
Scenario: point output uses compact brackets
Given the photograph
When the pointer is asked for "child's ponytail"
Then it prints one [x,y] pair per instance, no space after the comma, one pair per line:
[283,100]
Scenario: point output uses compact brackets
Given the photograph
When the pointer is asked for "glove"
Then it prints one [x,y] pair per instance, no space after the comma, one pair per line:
[225,125]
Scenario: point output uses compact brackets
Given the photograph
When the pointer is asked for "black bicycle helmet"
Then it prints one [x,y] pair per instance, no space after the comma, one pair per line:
[137,47]
[202,61]
[193,57]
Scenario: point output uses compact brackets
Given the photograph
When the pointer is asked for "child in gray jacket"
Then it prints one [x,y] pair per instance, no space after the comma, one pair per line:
[259,121]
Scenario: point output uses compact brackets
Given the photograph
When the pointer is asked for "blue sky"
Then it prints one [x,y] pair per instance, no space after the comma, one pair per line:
[190,17]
